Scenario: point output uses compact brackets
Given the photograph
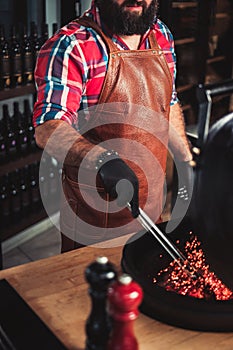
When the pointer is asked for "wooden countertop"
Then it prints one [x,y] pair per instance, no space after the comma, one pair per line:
[56,290]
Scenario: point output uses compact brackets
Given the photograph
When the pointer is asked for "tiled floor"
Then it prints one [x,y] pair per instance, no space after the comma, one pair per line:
[43,245]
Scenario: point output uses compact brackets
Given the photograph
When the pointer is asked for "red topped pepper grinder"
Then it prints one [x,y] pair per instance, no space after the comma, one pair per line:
[124,297]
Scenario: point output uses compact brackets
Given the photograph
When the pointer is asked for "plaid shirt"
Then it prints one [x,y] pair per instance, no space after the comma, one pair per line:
[72,64]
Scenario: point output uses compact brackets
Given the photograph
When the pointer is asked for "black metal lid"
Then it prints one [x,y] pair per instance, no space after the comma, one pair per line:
[213,199]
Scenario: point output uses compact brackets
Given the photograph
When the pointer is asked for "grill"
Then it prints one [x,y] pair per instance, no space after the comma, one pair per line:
[212,221]
[143,258]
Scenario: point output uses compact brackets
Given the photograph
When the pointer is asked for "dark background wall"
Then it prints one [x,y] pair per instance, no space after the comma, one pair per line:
[21,12]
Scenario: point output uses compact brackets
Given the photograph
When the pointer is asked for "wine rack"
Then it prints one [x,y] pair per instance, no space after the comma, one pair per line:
[202,33]
[21,183]
[182,18]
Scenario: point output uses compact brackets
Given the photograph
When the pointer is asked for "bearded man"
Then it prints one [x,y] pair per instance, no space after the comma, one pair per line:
[106,98]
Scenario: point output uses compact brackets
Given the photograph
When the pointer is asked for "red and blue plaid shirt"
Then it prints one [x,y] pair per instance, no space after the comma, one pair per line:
[71,68]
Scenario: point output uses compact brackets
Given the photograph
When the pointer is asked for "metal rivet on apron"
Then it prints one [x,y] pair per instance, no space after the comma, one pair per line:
[153,51]
[113,55]
[119,54]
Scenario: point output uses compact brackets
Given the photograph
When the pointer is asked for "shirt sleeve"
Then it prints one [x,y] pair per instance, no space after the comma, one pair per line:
[59,79]
[166,42]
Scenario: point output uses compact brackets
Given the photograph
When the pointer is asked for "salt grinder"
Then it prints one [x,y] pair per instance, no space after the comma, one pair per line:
[124,297]
[99,274]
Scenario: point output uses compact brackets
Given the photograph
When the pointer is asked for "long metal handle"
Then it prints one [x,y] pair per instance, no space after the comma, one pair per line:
[168,245]
[148,224]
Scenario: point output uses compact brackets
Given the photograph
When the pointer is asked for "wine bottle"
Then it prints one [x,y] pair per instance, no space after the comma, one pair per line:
[35,41]
[55,27]
[20,131]
[35,199]
[5,79]
[2,144]
[24,191]
[27,115]
[15,203]
[27,59]
[4,201]
[44,33]
[53,185]
[9,134]
[16,60]
[44,178]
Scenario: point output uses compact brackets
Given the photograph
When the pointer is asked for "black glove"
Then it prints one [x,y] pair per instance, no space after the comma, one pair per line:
[120,182]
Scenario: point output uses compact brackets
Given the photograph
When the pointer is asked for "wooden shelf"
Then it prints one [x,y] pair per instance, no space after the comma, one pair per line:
[186,107]
[16,92]
[222,15]
[185,41]
[184,5]
[215,59]
[217,99]
[184,88]
[20,162]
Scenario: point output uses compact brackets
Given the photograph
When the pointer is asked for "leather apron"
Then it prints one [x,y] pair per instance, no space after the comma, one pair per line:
[132,118]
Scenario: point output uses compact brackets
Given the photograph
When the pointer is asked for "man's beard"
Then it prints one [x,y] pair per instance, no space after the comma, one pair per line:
[123,22]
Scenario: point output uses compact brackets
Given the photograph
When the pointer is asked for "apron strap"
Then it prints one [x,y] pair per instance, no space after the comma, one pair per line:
[88,22]
[153,41]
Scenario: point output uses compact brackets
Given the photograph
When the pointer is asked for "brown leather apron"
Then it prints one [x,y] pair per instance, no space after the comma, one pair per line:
[132,118]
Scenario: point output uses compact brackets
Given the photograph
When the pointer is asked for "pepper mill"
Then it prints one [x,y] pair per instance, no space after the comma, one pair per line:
[99,274]
[124,297]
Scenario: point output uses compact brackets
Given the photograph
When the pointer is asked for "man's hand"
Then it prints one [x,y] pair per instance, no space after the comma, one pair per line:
[121,183]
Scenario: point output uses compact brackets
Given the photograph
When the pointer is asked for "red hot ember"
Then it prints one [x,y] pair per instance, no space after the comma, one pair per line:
[175,279]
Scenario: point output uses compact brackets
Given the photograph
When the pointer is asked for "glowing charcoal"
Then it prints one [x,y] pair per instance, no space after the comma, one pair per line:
[208,285]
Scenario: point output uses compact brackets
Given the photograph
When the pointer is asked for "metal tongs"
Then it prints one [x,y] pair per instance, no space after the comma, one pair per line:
[168,245]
